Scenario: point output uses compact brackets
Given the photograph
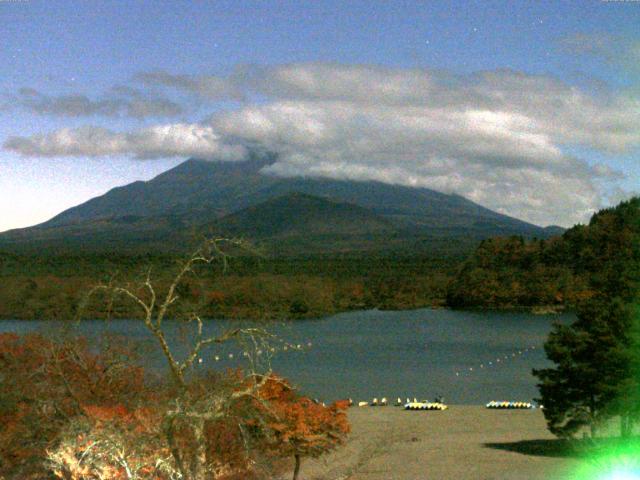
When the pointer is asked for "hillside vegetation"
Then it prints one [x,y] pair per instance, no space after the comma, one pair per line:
[51,286]
[502,272]
[511,272]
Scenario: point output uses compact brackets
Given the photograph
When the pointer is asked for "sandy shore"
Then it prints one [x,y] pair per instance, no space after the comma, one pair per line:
[463,442]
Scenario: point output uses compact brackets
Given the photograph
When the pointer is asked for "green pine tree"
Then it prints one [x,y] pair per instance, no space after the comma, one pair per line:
[597,357]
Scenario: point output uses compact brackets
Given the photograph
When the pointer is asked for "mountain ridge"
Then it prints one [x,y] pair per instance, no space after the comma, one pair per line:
[197,196]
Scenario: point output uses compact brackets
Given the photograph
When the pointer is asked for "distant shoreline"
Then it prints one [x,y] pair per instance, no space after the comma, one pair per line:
[536,310]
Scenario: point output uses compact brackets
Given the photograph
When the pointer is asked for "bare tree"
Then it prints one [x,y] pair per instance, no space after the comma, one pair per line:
[191,409]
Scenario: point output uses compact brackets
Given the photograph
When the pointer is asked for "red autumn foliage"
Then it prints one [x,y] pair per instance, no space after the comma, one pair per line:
[70,411]
[44,385]
[300,426]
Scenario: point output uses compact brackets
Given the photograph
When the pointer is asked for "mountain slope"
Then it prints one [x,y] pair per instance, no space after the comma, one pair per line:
[238,198]
[301,214]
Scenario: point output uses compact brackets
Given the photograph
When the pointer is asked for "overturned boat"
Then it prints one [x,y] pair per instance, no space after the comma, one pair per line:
[425,406]
[504,405]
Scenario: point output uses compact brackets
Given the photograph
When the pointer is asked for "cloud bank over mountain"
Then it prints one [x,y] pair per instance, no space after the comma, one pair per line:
[500,138]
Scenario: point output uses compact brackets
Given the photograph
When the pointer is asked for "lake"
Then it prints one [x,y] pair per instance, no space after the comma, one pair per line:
[467,357]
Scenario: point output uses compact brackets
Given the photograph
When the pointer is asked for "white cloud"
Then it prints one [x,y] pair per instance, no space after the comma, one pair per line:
[121,102]
[496,137]
[161,141]
[207,86]
[619,51]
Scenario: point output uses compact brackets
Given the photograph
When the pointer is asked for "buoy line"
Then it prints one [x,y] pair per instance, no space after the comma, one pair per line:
[284,347]
[494,362]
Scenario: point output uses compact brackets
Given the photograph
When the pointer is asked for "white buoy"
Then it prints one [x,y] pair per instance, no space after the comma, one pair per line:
[216,358]
[231,355]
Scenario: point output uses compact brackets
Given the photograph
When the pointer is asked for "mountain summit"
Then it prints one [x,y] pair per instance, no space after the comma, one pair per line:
[238,198]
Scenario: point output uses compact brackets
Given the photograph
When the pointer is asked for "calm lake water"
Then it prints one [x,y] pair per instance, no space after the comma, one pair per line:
[467,357]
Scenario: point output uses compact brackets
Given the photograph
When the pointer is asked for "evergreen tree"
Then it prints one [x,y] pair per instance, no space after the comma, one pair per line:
[596,357]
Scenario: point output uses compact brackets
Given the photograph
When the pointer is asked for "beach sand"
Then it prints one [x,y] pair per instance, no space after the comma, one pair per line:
[463,442]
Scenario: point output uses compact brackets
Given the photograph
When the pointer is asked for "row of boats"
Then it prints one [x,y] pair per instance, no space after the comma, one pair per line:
[409,404]
[425,406]
[510,405]
[438,404]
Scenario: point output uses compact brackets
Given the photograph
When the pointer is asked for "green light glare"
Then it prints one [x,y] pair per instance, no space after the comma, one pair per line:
[616,462]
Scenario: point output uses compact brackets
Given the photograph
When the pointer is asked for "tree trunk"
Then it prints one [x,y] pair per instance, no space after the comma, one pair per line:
[592,411]
[625,425]
[169,430]
[199,458]
[296,470]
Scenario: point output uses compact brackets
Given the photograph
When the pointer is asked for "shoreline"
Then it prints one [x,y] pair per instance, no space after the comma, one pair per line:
[535,310]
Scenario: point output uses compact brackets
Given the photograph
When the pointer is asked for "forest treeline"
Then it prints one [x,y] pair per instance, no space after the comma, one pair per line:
[503,272]
[50,286]
[513,272]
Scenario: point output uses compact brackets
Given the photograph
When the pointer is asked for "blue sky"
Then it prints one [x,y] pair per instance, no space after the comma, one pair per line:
[89,49]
